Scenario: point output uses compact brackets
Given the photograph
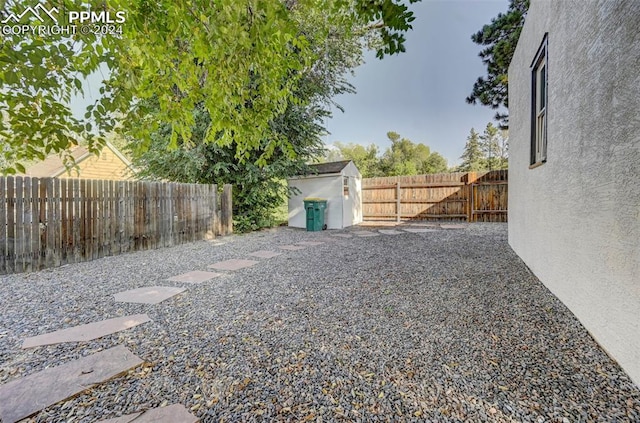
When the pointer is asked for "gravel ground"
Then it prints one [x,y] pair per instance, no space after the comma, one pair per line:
[440,326]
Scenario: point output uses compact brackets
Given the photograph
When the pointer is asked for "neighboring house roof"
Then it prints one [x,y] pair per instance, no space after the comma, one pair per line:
[330,167]
[53,166]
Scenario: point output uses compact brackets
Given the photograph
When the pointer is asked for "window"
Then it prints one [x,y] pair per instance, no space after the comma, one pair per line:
[539,95]
[345,186]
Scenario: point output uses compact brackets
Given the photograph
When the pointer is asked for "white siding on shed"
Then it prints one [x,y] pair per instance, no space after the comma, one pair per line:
[328,187]
[342,211]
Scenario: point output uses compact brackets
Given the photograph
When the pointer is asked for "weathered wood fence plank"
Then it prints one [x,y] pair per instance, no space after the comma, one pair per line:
[472,197]
[47,222]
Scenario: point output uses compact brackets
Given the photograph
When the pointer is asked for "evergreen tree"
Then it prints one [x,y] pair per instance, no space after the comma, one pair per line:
[472,158]
[501,37]
[490,147]
[503,148]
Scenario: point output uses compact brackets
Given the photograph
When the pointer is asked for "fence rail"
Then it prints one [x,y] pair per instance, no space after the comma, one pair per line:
[460,196]
[48,222]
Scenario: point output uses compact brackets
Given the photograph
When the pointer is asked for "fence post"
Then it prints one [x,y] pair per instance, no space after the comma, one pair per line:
[398,202]
[226,213]
[471,178]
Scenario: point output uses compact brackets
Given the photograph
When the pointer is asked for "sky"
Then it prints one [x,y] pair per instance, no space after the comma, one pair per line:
[421,93]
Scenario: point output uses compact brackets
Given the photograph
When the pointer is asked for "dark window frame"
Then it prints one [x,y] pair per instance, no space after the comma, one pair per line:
[539,104]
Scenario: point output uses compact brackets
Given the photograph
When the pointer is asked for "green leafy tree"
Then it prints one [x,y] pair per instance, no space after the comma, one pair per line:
[399,159]
[500,38]
[435,163]
[403,157]
[238,61]
[365,158]
[472,157]
[259,179]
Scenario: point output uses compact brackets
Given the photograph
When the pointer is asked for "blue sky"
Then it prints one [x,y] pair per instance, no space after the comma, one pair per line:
[421,93]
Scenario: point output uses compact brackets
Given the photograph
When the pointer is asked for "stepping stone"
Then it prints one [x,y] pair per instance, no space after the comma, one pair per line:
[453,226]
[26,396]
[419,230]
[196,276]
[343,235]
[292,247]
[327,239]
[86,332]
[365,233]
[310,243]
[175,413]
[233,264]
[148,294]
[389,232]
[265,254]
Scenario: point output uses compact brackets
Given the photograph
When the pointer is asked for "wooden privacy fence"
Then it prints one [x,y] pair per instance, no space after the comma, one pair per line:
[460,196]
[48,222]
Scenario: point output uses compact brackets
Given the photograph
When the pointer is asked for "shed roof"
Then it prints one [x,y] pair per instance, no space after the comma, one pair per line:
[330,167]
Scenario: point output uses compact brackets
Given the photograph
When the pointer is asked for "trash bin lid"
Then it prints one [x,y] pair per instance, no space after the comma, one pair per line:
[315,199]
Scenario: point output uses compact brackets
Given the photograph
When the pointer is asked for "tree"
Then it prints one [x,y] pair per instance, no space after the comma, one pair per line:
[490,147]
[494,146]
[404,157]
[435,163]
[259,179]
[472,158]
[365,158]
[239,61]
[501,37]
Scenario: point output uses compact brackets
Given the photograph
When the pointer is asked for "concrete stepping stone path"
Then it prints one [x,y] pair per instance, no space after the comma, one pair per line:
[365,233]
[265,254]
[23,397]
[389,232]
[175,413]
[233,264]
[197,276]
[148,294]
[419,230]
[453,226]
[86,332]
[310,243]
[327,239]
[292,247]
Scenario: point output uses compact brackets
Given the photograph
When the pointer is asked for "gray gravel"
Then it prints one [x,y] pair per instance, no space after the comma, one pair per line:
[438,326]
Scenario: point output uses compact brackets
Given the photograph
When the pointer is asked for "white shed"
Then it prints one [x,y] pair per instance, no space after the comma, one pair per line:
[340,183]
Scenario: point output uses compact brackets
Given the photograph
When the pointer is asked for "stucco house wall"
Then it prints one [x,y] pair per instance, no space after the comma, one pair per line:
[575,220]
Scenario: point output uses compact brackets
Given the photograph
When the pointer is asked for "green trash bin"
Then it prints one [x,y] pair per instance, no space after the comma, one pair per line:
[315,208]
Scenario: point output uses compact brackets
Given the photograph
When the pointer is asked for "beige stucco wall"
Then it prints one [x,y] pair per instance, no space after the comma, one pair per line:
[575,220]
